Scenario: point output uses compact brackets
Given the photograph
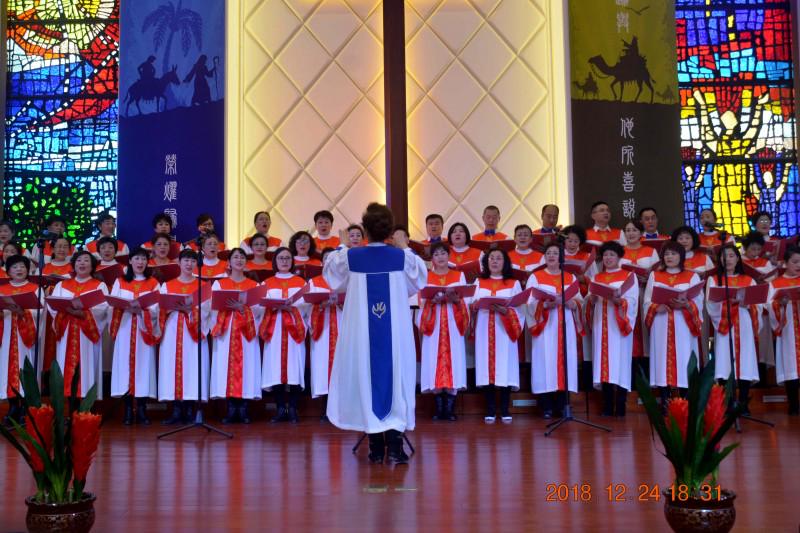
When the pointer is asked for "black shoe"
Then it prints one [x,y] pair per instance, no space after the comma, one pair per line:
[377,448]
[292,415]
[176,415]
[281,416]
[231,415]
[188,412]
[548,414]
[449,408]
[394,446]
[128,418]
[243,417]
[324,418]
[141,412]
[439,408]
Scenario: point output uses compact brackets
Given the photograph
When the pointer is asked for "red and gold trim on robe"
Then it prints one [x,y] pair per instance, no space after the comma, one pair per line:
[214,271]
[22,327]
[467,256]
[697,261]
[510,320]
[620,315]
[318,322]
[483,237]
[444,356]
[603,235]
[523,261]
[782,283]
[189,321]
[724,328]
[291,322]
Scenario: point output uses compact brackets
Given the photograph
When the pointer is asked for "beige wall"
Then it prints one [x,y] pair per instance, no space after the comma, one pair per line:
[486,99]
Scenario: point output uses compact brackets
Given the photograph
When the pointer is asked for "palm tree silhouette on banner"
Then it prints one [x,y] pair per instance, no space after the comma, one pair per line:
[168,20]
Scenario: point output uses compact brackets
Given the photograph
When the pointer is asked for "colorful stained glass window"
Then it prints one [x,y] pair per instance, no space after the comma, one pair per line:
[61,113]
[737,116]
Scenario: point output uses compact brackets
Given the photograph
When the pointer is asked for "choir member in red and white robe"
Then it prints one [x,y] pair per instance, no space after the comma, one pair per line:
[177,355]
[162,225]
[550,224]
[213,267]
[259,245]
[702,264]
[283,331]
[205,229]
[443,323]
[523,257]
[324,324]
[645,257]
[674,327]
[491,220]
[611,322]
[160,246]
[752,246]
[17,335]
[497,331]
[236,355]
[10,249]
[648,218]
[549,378]
[78,332]
[744,328]
[107,225]
[460,252]
[323,222]
[56,226]
[355,236]
[262,222]
[573,244]
[601,231]
[304,249]
[434,226]
[784,316]
[135,335]
[374,371]
[710,236]
[7,237]
[59,266]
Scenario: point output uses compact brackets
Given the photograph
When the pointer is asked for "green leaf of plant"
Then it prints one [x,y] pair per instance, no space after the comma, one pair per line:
[88,401]
[30,384]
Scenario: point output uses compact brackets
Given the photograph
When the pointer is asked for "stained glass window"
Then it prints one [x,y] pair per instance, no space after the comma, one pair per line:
[61,113]
[737,115]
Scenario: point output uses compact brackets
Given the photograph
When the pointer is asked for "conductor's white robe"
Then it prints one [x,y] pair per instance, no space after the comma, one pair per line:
[379,280]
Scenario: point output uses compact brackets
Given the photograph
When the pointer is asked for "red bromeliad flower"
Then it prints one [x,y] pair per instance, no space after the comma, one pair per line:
[42,418]
[85,438]
[715,410]
[678,408]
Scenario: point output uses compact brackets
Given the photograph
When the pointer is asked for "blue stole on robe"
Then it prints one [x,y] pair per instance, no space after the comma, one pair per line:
[377,262]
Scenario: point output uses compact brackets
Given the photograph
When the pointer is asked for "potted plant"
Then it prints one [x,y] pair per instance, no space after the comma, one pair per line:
[691,433]
[59,449]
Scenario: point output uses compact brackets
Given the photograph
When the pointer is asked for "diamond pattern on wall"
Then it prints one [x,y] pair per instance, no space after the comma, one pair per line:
[479,96]
[312,123]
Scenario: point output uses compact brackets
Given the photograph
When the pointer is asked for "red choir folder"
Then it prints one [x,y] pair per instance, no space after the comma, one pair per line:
[170,302]
[226,254]
[174,250]
[506,245]
[122,259]
[777,247]
[752,295]
[712,251]
[576,266]
[514,301]
[165,273]
[109,274]
[143,302]
[520,275]
[46,280]
[704,274]
[421,249]
[220,298]
[541,240]
[664,295]
[260,274]
[316,298]
[792,293]
[307,271]
[272,303]
[470,269]
[463,291]
[656,244]
[569,293]
[756,274]
[608,292]
[638,270]
[86,300]
[25,300]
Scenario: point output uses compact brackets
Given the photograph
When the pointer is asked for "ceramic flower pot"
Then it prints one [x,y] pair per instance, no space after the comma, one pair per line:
[75,517]
[696,515]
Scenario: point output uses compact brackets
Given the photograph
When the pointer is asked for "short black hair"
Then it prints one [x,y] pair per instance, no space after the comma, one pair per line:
[325,251]
[17,246]
[202,218]
[107,240]
[278,251]
[686,229]
[597,203]
[81,253]
[237,250]
[457,225]
[255,217]
[8,224]
[138,251]
[161,217]
[434,216]
[522,226]
[400,227]
[351,227]
[14,259]
[738,269]
[759,214]
[102,218]
[441,245]
[545,206]
[312,246]
[377,221]
[577,230]
[507,268]
[636,224]
[647,208]
[751,238]
[259,236]
[672,246]
[612,246]
[790,251]
[491,208]
[323,214]
[160,236]
[187,253]
[55,218]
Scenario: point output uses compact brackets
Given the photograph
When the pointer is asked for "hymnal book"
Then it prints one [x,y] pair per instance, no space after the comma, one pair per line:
[307,271]
[25,300]
[664,295]
[272,303]
[712,251]
[752,295]
[259,274]
[578,266]
[656,244]
[174,250]
[507,245]
[703,273]
[777,247]
[47,280]
[421,249]
[143,302]
[792,293]
[569,293]
[316,298]
[170,302]
[520,275]
[638,270]
[220,299]
[757,275]
[165,273]
[541,240]
[471,270]
[109,274]
[86,300]
[514,301]
[463,291]
[122,259]
[608,292]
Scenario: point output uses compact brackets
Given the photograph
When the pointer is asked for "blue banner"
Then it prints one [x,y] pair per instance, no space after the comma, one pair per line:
[172,115]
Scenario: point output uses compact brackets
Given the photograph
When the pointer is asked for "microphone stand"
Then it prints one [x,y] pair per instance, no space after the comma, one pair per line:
[723,236]
[40,260]
[199,422]
[567,415]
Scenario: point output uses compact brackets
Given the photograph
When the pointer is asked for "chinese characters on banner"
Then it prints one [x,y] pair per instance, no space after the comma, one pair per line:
[625,116]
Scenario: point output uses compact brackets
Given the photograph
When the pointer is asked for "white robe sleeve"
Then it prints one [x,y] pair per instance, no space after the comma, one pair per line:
[632,297]
[647,298]
[336,270]
[415,271]
[714,309]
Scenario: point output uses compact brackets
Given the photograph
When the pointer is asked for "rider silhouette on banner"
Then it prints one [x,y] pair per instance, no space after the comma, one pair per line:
[147,71]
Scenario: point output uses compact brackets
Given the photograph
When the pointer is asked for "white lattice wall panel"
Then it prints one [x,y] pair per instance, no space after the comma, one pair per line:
[308,111]
[481,109]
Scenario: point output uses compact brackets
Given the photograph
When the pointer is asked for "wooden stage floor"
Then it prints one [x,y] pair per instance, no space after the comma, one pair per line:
[465,476]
